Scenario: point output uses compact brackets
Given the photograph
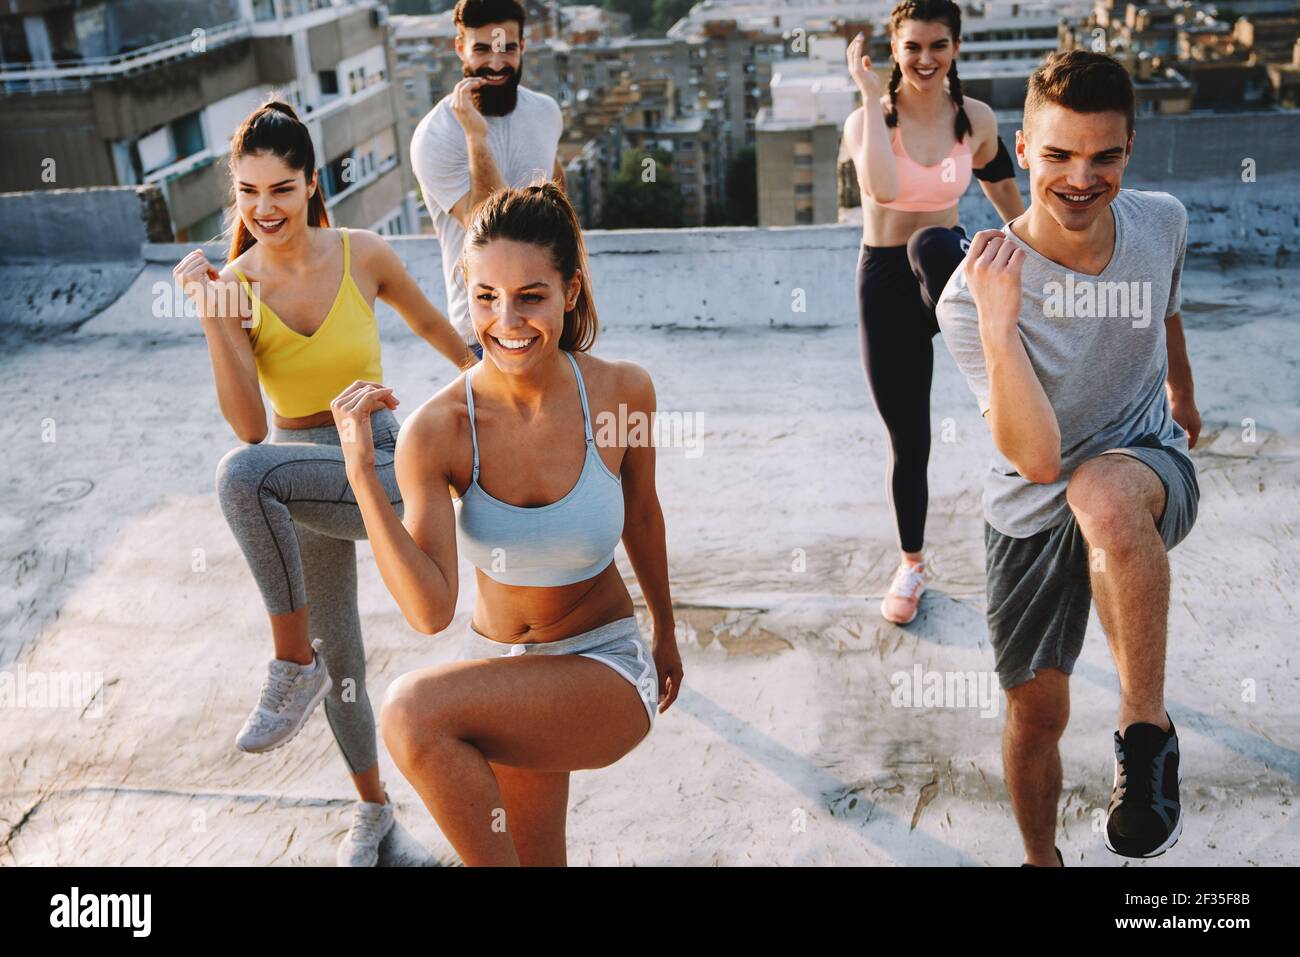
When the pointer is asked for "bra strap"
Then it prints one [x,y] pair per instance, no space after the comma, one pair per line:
[582,391]
[469,400]
[253,300]
[347,253]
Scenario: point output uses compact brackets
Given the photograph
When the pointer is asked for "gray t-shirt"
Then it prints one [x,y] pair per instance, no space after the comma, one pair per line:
[523,144]
[1097,345]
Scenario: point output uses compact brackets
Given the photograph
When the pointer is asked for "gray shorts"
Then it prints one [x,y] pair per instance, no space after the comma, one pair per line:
[1039,594]
[617,644]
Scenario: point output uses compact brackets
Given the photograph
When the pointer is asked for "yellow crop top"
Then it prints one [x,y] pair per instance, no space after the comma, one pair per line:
[304,374]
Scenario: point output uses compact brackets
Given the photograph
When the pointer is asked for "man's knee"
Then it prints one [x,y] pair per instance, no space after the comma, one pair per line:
[1040,708]
[1113,507]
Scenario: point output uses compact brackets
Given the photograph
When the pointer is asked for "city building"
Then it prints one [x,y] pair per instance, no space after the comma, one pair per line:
[124,92]
[798,138]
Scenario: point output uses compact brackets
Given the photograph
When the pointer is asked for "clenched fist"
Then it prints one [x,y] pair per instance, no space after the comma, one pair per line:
[352,411]
[993,275]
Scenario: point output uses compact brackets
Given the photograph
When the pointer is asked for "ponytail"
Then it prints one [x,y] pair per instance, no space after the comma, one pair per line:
[274,127]
[541,214]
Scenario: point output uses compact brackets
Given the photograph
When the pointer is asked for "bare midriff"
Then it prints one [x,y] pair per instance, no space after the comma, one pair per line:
[892,227]
[516,613]
[303,422]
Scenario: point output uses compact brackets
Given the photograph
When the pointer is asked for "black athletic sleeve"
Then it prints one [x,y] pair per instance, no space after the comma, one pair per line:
[999,168]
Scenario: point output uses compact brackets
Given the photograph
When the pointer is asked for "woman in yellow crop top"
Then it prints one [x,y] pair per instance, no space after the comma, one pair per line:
[915,147]
[292,312]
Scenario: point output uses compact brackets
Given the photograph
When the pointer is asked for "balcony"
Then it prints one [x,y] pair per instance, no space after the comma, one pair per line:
[63,75]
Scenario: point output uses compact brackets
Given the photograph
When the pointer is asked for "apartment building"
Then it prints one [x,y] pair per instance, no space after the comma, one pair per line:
[1228,57]
[798,137]
[122,92]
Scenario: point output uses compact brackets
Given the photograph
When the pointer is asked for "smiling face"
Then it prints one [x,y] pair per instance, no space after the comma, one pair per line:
[517,302]
[271,197]
[1075,160]
[495,53]
[924,49]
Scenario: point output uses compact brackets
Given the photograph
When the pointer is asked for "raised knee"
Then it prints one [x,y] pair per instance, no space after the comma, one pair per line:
[924,240]
[1105,509]
[237,473]
[406,715]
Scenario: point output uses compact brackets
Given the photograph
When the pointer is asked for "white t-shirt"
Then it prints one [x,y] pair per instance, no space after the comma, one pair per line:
[523,144]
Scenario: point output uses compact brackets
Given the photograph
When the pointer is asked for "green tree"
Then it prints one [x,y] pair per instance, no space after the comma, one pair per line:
[641,11]
[741,205]
[668,12]
[643,195]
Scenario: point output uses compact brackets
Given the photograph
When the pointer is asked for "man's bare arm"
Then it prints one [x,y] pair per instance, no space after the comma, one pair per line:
[1178,384]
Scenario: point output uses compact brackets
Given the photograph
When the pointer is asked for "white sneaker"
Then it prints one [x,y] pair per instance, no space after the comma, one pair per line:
[370,825]
[290,692]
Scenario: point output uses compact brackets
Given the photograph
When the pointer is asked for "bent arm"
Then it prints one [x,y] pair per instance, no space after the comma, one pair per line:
[416,556]
[1020,416]
[644,535]
[1005,197]
[234,368]
[1179,381]
[873,154]
[398,288]
[485,179]
[992,162]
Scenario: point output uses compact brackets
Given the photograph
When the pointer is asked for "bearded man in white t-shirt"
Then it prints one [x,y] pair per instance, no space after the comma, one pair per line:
[487,134]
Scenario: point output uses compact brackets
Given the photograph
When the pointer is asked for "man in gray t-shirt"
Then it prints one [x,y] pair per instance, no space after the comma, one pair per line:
[1097,346]
[1066,325]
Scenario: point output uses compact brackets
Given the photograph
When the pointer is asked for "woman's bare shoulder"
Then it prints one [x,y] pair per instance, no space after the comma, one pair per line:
[621,380]
[440,419]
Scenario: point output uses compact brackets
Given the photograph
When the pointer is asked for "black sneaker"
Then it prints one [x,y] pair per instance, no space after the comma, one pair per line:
[1058,857]
[1144,818]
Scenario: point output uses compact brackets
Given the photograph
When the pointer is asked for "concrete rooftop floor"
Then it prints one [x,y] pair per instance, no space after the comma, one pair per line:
[784,747]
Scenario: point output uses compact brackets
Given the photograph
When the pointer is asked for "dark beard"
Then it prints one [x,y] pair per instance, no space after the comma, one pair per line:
[496,100]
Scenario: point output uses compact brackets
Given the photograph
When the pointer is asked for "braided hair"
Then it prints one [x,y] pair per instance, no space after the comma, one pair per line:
[929,11]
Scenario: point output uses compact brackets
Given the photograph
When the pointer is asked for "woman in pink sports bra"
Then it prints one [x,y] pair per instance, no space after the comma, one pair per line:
[915,147]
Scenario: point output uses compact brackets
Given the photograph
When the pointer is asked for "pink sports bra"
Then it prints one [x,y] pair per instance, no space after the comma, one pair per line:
[928,189]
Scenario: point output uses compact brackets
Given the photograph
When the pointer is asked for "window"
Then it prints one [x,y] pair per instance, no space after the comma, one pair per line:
[187,134]
[329,82]
[339,175]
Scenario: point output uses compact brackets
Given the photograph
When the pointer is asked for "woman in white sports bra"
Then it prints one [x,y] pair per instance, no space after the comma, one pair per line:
[554,675]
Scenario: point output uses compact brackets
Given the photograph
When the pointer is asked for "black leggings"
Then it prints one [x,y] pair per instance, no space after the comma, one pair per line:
[897,289]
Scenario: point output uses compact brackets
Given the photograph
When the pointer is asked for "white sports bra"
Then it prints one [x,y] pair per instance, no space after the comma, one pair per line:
[567,541]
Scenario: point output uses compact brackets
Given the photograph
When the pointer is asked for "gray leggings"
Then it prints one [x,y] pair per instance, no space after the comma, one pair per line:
[289,504]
